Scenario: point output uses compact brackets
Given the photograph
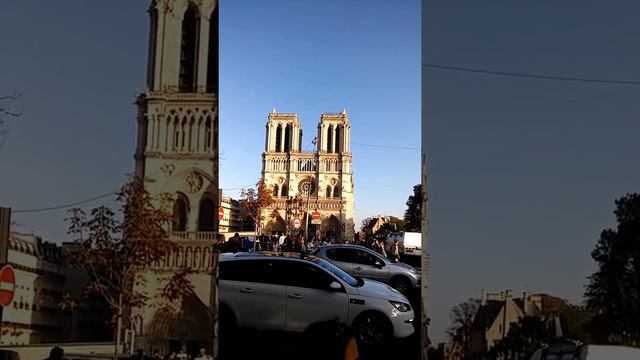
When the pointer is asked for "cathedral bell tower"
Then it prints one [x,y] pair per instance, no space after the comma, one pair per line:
[177,151]
[177,156]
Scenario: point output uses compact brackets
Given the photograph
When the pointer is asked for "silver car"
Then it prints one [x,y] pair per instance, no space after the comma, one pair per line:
[360,261]
[291,293]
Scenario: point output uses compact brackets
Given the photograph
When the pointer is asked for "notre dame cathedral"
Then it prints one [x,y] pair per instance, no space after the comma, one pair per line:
[306,182]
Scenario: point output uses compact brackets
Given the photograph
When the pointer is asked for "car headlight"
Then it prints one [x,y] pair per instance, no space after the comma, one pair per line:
[400,306]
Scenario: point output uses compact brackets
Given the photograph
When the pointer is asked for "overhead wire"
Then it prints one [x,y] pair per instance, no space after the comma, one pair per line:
[532,76]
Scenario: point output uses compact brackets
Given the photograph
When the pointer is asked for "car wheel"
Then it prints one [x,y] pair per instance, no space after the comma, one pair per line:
[401,284]
[372,329]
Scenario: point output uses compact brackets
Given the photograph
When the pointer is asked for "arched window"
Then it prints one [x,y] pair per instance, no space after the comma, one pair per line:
[215,133]
[212,57]
[192,131]
[336,191]
[330,138]
[207,134]
[278,138]
[180,209]
[176,134]
[285,190]
[153,40]
[188,50]
[287,138]
[206,213]
[275,190]
[338,138]
[183,134]
[328,191]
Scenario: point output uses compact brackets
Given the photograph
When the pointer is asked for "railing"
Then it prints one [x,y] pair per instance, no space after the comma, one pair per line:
[193,235]
[314,204]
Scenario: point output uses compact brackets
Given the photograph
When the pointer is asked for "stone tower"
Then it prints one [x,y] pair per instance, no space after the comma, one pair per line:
[316,181]
[177,155]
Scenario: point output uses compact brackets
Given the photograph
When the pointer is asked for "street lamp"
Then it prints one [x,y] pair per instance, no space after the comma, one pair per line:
[306,187]
[293,204]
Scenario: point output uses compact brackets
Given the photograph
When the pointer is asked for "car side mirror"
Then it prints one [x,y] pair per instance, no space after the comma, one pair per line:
[335,286]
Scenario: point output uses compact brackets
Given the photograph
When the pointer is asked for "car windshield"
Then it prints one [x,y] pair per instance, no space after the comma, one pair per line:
[336,271]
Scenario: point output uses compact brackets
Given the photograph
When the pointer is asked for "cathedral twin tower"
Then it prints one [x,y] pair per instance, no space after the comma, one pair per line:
[322,179]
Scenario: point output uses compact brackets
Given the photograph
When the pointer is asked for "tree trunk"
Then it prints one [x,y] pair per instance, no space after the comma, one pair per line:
[118,328]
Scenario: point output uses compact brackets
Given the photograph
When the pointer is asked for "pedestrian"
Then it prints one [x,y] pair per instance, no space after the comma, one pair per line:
[56,354]
[234,244]
[203,355]
[182,355]
[379,247]
[395,251]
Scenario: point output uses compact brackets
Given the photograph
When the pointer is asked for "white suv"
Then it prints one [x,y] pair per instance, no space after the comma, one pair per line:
[291,293]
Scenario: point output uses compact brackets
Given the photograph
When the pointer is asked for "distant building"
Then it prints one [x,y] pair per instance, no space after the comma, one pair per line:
[499,311]
[374,224]
[35,316]
[235,218]
[303,182]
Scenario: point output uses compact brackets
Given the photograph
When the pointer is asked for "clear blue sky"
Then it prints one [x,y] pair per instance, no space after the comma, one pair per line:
[309,58]
[523,173]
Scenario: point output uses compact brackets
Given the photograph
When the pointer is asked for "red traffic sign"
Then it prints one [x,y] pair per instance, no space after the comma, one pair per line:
[296,223]
[7,285]
[220,213]
[315,215]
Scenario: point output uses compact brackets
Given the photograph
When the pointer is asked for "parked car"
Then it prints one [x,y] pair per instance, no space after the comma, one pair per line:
[358,260]
[586,352]
[287,293]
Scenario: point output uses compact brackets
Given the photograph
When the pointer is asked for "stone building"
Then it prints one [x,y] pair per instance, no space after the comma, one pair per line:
[306,182]
[500,311]
[177,155]
[35,315]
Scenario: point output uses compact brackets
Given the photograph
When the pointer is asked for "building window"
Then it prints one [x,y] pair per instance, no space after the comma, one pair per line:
[188,50]
[207,135]
[212,64]
[328,191]
[207,213]
[180,207]
[278,138]
[287,137]
[275,190]
[336,191]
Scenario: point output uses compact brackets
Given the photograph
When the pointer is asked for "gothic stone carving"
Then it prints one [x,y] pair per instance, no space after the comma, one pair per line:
[193,182]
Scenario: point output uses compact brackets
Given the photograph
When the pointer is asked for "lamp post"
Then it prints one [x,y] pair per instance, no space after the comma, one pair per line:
[306,187]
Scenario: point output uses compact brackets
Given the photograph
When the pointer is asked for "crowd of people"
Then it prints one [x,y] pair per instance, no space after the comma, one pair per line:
[298,243]
[58,354]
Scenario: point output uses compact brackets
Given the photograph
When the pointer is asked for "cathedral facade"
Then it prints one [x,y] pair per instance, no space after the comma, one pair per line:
[306,183]
[177,156]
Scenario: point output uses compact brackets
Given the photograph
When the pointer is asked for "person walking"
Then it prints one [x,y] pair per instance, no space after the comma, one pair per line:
[202,355]
[234,244]
[395,251]
[56,354]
